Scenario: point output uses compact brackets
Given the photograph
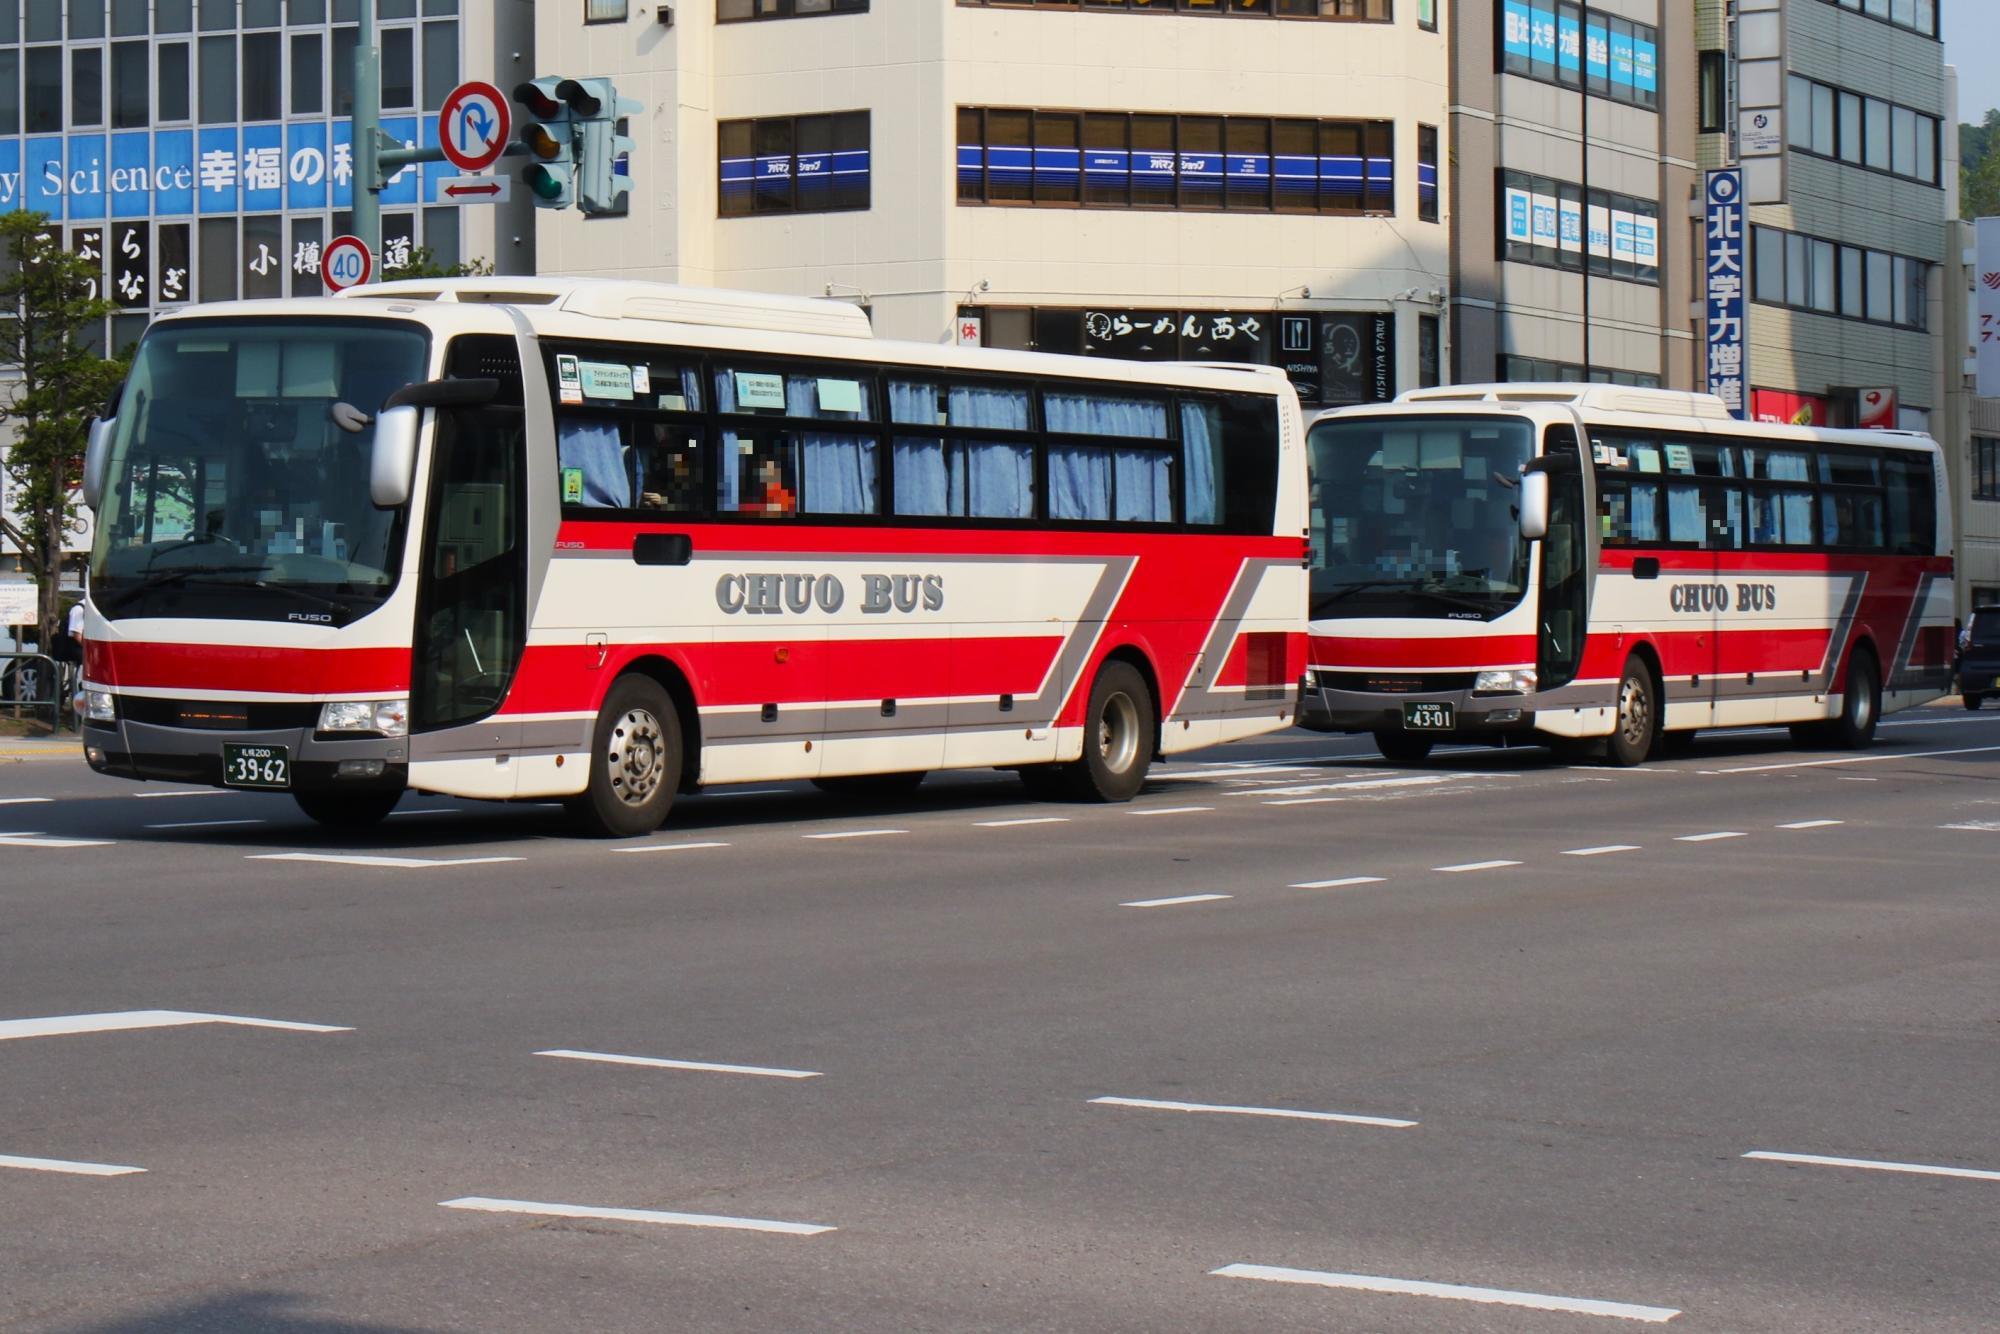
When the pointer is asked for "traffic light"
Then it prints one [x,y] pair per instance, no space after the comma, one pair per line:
[604,152]
[549,132]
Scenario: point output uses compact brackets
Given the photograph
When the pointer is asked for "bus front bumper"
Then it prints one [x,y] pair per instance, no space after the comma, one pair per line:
[314,762]
[1324,708]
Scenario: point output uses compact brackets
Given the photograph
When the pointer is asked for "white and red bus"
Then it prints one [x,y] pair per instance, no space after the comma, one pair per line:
[1596,566]
[608,541]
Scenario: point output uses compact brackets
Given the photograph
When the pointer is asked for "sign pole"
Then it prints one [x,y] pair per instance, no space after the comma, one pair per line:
[367,132]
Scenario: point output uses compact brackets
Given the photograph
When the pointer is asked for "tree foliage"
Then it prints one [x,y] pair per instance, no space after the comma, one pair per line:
[49,310]
[1979,168]
[423,264]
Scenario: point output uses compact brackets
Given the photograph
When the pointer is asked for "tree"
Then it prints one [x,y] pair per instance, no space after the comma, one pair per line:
[1979,167]
[423,264]
[48,309]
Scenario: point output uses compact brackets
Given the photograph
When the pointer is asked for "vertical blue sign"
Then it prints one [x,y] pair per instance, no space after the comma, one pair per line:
[217,171]
[263,168]
[173,173]
[402,187]
[10,175]
[1722,264]
[41,186]
[83,187]
[1517,34]
[131,175]
[306,165]
[340,164]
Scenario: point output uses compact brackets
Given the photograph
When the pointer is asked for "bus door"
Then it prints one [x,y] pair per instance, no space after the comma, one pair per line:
[1705,517]
[1563,595]
[471,622]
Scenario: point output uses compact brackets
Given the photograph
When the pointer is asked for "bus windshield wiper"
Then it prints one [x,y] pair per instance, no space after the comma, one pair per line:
[1452,599]
[1349,590]
[180,575]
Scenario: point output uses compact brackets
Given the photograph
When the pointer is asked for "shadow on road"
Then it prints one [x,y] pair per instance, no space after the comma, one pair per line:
[241,1313]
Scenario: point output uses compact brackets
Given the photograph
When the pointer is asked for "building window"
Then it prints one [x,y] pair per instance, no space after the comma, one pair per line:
[606,11]
[1985,468]
[1916,15]
[1115,159]
[1714,74]
[1827,278]
[1429,347]
[1352,11]
[747,11]
[1555,225]
[1560,42]
[1427,173]
[793,164]
[1864,132]
[1537,370]
[1427,15]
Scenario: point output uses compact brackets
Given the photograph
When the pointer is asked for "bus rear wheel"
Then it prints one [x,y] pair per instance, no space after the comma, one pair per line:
[1860,704]
[1637,726]
[348,810]
[1972,703]
[1117,738]
[635,763]
[1403,747]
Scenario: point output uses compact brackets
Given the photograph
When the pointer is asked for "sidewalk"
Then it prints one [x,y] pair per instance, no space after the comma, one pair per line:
[67,746]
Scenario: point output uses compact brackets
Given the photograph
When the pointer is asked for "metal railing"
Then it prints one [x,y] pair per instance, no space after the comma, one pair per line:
[36,686]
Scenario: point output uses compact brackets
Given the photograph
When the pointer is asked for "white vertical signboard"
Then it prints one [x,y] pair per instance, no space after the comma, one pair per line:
[1986,306]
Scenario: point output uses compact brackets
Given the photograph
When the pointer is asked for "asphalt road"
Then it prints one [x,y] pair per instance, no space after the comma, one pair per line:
[1551,1065]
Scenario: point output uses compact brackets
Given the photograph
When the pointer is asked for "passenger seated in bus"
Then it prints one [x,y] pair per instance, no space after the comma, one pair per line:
[667,475]
[764,490]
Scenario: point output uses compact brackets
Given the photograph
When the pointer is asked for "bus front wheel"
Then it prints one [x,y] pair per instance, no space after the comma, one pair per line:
[1117,737]
[348,810]
[1403,747]
[635,763]
[1860,704]
[1638,723]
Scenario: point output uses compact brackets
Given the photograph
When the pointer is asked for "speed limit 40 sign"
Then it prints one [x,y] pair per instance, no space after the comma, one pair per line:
[345,263]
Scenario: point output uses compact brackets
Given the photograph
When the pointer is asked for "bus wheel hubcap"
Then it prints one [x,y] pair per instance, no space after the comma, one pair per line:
[1632,709]
[1118,733]
[636,758]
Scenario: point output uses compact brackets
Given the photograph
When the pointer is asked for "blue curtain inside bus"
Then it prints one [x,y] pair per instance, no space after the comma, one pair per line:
[597,450]
[989,479]
[1080,477]
[1201,444]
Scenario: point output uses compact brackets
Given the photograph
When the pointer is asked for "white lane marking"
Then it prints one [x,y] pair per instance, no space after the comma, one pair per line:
[191,792]
[1875,1165]
[1306,789]
[1812,824]
[1173,810]
[1288,1113]
[26,839]
[119,1021]
[1850,778]
[1342,883]
[1599,852]
[1853,759]
[1709,838]
[1975,826]
[1474,866]
[662,1063]
[671,847]
[63,1165]
[1168,903]
[359,859]
[748,792]
[859,833]
[1239,772]
[24,801]
[1032,819]
[1534,1301]
[493,1206]
[203,824]
[435,810]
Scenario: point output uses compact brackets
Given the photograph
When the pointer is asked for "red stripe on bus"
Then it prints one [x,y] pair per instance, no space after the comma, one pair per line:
[1725,563]
[241,668]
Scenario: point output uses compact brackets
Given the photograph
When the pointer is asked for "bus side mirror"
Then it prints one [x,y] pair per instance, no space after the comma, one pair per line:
[392,465]
[96,459]
[1534,506]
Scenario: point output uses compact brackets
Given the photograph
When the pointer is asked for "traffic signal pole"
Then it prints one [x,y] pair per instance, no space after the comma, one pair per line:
[376,156]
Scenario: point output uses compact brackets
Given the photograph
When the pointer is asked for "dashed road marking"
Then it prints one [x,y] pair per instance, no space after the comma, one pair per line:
[492,1206]
[1713,837]
[1534,1301]
[1474,866]
[1032,819]
[39,840]
[1875,1165]
[671,847]
[1812,824]
[1854,759]
[1975,826]
[203,824]
[119,1021]
[1341,883]
[859,833]
[1173,810]
[65,1166]
[1174,902]
[1286,1113]
[1600,852]
[192,792]
[661,1063]
[24,801]
[361,859]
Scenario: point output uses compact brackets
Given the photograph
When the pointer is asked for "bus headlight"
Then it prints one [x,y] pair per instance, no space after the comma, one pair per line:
[381,717]
[1504,683]
[99,706]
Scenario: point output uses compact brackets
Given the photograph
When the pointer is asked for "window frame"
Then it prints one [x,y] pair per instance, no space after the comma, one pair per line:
[760,193]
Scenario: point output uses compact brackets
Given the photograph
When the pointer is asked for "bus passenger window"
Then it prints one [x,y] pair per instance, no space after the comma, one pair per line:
[591,453]
[760,475]
[667,470]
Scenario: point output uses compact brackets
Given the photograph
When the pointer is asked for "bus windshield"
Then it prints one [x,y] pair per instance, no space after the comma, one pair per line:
[239,462]
[1415,516]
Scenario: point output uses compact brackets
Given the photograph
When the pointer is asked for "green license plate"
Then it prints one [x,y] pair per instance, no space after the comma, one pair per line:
[1418,717]
[256,766]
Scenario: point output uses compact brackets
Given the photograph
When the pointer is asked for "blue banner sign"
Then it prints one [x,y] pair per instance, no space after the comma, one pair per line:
[262,168]
[1722,263]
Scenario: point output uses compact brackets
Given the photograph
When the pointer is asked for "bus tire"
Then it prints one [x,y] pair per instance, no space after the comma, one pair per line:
[872,787]
[635,762]
[1117,737]
[1860,704]
[1972,703]
[1636,725]
[1404,747]
[348,810]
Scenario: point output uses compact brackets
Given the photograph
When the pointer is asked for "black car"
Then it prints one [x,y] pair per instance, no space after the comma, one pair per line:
[1979,660]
